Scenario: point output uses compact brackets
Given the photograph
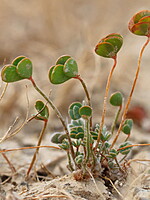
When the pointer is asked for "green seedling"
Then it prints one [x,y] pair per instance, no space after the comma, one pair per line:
[140,23]
[113,42]
[127,126]
[21,68]
[116,99]
[88,148]
[66,68]
[74,110]
[109,46]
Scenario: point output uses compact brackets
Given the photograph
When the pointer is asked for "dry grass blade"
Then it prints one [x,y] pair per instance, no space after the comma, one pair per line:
[114,187]
[137,160]
[135,181]
[44,168]
[31,118]
[67,194]
[9,163]
[9,134]
[46,196]
[96,185]
[4,91]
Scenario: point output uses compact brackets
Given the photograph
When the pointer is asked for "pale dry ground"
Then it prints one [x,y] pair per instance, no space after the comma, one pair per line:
[43,30]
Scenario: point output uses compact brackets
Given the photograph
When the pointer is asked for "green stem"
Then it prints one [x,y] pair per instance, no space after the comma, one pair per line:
[85,88]
[4,91]
[87,140]
[131,93]
[84,149]
[116,119]
[37,150]
[86,92]
[123,158]
[118,164]
[69,161]
[57,113]
[127,137]
[77,150]
[105,103]
[94,159]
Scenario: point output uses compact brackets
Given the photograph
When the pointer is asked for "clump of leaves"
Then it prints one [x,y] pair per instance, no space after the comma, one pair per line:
[87,147]
[140,23]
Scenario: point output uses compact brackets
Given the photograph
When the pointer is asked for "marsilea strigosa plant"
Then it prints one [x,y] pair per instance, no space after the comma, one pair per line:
[89,148]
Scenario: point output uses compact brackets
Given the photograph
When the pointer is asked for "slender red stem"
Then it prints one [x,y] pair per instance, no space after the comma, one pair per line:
[105,102]
[131,93]
[24,148]
[133,145]
[85,88]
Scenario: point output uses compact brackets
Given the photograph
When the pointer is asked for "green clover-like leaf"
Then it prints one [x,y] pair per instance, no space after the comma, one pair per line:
[73,135]
[55,138]
[140,23]
[145,19]
[129,122]
[116,99]
[85,112]
[50,72]
[44,114]
[74,110]
[79,135]
[71,68]
[9,74]
[77,132]
[105,49]
[21,68]
[17,60]
[79,159]
[113,35]
[126,150]
[126,129]
[94,135]
[127,126]
[105,136]
[64,145]
[62,137]
[140,15]
[24,68]
[57,74]
[113,153]
[62,59]
[77,143]
[65,69]
[109,46]
[115,41]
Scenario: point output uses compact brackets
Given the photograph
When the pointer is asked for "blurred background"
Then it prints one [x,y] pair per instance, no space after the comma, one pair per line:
[43,30]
